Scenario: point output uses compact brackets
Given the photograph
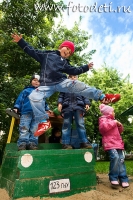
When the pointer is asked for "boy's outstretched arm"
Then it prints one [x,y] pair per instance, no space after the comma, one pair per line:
[68,69]
[36,54]
[16,37]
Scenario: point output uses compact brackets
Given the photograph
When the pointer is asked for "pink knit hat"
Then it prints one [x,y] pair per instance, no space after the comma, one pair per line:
[106,110]
[68,44]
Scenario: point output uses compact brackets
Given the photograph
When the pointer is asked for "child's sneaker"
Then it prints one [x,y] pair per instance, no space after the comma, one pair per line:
[111,98]
[33,146]
[66,146]
[125,184]
[42,127]
[114,184]
[85,146]
[22,147]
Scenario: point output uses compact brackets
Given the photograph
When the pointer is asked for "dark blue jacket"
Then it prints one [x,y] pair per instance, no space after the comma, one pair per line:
[23,104]
[53,66]
[71,102]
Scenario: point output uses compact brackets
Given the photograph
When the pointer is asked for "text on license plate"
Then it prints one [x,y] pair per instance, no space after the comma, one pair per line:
[60,185]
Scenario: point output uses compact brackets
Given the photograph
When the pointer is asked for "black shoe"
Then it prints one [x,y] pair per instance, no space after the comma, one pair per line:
[66,146]
[33,146]
[22,147]
[85,146]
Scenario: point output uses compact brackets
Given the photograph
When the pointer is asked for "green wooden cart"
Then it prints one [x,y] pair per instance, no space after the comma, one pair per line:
[48,172]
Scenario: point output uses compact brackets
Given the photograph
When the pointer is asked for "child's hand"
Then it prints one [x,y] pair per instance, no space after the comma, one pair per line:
[15,110]
[50,111]
[90,65]
[16,37]
[87,107]
[59,107]
[118,123]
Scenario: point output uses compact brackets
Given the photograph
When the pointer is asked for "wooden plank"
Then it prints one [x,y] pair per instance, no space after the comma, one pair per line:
[12,147]
[50,159]
[40,187]
[52,172]
[10,174]
[10,162]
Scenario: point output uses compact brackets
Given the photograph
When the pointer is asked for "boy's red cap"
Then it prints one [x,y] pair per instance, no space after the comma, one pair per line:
[68,44]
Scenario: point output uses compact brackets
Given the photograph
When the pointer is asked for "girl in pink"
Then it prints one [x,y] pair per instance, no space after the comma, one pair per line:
[112,142]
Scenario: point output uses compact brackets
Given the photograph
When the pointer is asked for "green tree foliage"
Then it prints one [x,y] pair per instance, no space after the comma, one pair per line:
[21,16]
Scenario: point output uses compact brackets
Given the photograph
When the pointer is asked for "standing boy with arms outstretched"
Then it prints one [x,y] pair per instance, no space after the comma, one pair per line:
[54,65]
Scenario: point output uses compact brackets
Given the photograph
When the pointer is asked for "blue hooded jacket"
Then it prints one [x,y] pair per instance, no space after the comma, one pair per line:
[71,102]
[23,104]
[53,66]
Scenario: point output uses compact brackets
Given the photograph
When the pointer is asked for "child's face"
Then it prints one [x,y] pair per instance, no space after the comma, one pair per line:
[65,52]
[73,77]
[35,82]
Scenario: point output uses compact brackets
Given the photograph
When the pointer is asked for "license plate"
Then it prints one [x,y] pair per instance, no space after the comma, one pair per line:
[60,185]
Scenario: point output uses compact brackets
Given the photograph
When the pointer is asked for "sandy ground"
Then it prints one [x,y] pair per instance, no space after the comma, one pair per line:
[103,192]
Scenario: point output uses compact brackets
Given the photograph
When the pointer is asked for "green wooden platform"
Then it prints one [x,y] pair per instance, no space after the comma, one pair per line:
[47,172]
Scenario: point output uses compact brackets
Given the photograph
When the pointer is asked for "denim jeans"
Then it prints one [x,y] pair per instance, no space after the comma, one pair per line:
[117,170]
[38,96]
[27,127]
[80,126]
[75,141]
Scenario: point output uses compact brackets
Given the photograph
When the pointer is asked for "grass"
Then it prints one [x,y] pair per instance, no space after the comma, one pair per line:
[102,167]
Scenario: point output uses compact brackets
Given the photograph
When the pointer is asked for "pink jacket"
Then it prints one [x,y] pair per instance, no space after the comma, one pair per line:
[111,138]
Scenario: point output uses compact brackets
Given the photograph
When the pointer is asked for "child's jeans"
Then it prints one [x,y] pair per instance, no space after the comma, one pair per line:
[117,170]
[67,128]
[27,127]
[38,96]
